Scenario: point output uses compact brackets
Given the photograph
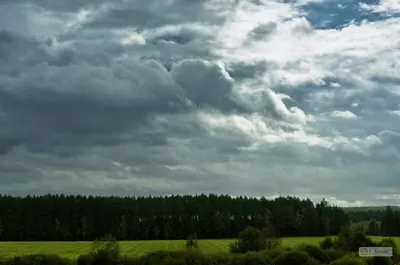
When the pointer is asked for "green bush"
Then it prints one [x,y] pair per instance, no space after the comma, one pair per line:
[85,259]
[315,252]
[389,242]
[222,258]
[105,251]
[128,261]
[334,253]
[255,258]
[157,257]
[379,261]
[272,254]
[237,259]
[351,240]
[294,257]
[39,259]
[250,239]
[192,242]
[350,259]
[313,261]
[234,247]
[173,261]
[326,243]
[188,257]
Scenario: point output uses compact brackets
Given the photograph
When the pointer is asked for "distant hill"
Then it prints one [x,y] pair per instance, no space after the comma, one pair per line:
[368,208]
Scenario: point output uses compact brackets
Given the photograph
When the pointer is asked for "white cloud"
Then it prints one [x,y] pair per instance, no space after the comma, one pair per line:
[343,114]
[384,6]
[395,112]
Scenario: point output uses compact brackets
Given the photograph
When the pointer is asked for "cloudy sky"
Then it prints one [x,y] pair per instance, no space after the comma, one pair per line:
[240,97]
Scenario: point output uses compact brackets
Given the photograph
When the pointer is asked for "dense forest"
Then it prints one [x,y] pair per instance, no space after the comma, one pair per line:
[71,218]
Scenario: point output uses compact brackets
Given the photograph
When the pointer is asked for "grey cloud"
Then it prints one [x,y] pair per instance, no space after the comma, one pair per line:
[205,83]
[143,98]
[263,31]
[146,15]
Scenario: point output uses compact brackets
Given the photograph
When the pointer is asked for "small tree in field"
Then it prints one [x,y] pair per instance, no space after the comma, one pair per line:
[272,239]
[270,233]
[250,239]
[105,250]
[191,242]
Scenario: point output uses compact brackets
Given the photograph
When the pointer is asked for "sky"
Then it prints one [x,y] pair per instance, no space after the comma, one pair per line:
[241,97]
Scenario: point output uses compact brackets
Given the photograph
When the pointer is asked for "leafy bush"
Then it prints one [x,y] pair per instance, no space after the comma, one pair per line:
[313,261]
[196,258]
[237,259]
[173,261]
[85,259]
[315,252]
[350,259]
[255,258]
[234,247]
[128,261]
[105,251]
[222,258]
[352,240]
[389,242]
[272,239]
[250,239]
[157,257]
[379,261]
[192,242]
[295,257]
[334,253]
[272,254]
[326,243]
[39,259]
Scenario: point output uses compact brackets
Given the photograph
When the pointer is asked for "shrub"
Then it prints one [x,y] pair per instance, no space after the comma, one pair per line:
[379,261]
[389,242]
[173,261]
[295,257]
[315,252]
[157,257]
[191,242]
[255,258]
[128,261]
[352,240]
[196,258]
[313,261]
[85,259]
[105,251]
[222,258]
[272,254]
[351,259]
[272,239]
[39,259]
[326,243]
[237,259]
[334,253]
[250,239]
[234,247]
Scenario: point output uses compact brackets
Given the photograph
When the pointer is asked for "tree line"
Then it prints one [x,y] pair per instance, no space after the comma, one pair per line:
[380,222]
[71,217]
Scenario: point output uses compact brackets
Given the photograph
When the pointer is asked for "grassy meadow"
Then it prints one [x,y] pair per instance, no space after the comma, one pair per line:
[135,248]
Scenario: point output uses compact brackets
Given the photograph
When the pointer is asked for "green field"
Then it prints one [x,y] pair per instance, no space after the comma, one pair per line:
[134,248]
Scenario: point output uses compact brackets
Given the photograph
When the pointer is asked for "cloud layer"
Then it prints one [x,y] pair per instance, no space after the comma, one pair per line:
[261,98]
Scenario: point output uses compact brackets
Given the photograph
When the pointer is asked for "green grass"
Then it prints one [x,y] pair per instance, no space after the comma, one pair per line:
[135,248]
